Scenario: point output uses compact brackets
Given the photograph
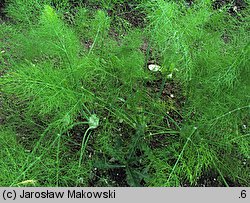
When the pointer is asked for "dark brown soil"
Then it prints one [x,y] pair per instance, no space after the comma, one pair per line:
[171,93]
[2,13]
[212,179]
[115,177]
[240,4]
[129,12]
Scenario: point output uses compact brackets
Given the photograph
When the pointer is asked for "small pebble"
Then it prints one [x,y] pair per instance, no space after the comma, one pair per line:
[154,67]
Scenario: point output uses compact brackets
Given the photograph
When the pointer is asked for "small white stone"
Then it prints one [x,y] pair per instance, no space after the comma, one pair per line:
[80,180]
[154,67]
[112,159]
[170,76]
[121,99]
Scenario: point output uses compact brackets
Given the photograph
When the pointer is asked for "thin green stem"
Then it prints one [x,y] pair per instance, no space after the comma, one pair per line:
[180,155]
[83,147]
[34,162]
[58,160]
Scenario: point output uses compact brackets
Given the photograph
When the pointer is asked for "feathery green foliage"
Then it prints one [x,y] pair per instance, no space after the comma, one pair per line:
[213,64]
